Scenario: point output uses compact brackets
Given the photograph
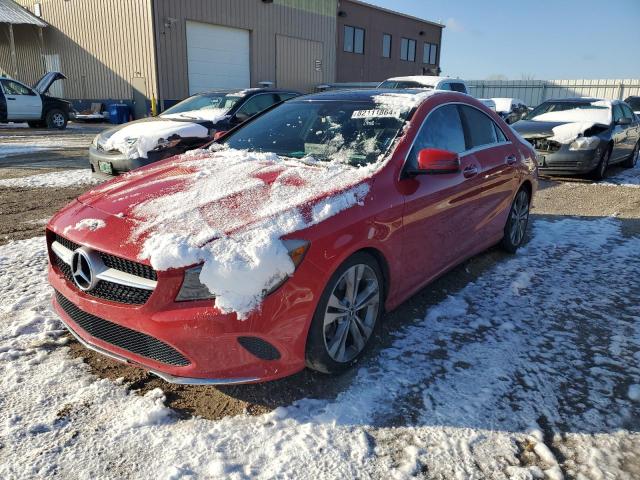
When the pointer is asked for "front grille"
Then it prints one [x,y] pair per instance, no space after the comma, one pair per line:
[544,144]
[122,337]
[113,292]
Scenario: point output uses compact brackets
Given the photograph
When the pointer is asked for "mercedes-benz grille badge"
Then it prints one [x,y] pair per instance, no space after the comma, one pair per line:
[83,271]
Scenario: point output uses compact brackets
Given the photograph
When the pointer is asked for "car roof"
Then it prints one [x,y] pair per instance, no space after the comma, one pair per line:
[427,80]
[578,99]
[362,94]
[246,91]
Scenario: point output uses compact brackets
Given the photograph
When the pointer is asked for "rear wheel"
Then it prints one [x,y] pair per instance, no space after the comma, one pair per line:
[600,173]
[56,119]
[346,316]
[516,227]
[632,161]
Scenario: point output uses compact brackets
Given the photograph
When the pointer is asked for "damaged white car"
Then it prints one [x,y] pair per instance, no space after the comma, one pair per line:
[582,135]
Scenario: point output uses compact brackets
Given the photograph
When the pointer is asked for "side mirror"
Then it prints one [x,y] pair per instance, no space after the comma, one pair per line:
[437,161]
[241,117]
[623,121]
[218,135]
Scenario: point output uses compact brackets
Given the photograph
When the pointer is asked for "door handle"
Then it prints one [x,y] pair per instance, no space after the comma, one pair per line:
[510,159]
[10,98]
[470,171]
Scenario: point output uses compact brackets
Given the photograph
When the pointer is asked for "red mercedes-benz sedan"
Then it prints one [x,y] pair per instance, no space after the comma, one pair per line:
[280,246]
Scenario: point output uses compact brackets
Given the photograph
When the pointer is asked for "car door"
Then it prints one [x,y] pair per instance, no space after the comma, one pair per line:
[439,211]
[22,102]
[619,135]
[633,129]
[488,145]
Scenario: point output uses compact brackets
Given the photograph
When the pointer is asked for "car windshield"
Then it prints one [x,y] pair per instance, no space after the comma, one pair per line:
[634,103]
[221,101]
[350,132]
[403,84]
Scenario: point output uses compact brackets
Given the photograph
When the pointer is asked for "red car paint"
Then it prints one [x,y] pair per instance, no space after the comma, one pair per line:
[418,227]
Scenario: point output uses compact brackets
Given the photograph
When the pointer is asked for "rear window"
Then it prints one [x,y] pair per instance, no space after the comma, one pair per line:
[402,84]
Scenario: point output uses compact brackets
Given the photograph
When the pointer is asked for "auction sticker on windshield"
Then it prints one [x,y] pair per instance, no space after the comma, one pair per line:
[376,113]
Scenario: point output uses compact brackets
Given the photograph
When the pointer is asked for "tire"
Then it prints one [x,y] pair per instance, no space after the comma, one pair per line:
[600,172]
[333,346]
[37,124]
[56,118]
[516,227]
[632,160]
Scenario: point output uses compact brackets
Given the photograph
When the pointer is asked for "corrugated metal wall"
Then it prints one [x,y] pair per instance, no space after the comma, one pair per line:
[102,44]
[29,57]
[534,92]
[307,19]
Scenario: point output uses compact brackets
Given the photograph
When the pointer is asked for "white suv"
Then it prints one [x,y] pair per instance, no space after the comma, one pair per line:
[428,82]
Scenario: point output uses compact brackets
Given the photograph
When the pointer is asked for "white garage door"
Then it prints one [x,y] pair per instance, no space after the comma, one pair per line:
[218,57]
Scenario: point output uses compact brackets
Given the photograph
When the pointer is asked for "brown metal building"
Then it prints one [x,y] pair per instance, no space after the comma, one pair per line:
[375,43]
[137,51]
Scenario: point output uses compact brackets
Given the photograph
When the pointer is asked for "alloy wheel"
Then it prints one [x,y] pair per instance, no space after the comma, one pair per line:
[58,119]
[519,218]
[351,313]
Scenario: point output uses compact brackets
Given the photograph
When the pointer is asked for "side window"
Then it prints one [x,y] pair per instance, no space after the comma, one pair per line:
[442,129]
[444,86]
[617,112]
[499,134]
[286,96]
[481,129]
[458,87]
[257,103]
[627,112]
[14,88]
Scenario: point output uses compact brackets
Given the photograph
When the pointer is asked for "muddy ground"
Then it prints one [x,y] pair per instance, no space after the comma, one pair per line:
[24,211]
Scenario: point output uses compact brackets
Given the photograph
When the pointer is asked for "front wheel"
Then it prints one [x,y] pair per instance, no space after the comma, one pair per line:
[516,227]
[346,316]
[600,172]
[56,119]
[632,160]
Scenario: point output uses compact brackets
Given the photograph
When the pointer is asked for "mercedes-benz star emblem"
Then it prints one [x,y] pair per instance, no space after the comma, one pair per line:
[82,270]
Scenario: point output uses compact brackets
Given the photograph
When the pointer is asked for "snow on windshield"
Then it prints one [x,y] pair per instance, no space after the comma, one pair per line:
[231,212]
[599,112]
[207,114]
[136,140]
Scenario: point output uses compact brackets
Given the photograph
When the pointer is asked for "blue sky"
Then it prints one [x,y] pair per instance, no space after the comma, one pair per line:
[545,39]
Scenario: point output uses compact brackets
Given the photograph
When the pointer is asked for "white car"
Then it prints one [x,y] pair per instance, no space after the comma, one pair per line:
[20,103]
[428,82]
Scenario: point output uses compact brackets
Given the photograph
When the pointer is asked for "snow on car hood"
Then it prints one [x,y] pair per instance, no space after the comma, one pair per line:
[575,122]
[213,115]
[137,139]
[245,202]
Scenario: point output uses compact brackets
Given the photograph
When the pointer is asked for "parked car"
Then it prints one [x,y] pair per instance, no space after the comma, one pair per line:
[187,125]
[489,103]
[511,109]
[582,135]
[20,103]
[426,81]
[417,186]
[634,103]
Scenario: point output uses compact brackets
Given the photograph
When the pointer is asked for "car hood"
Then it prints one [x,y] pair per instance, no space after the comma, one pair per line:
[43,85]
[204,195]
[533,129]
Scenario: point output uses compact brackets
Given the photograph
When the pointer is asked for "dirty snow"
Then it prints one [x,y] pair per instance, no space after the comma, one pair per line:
[628,177]
[91,224]
[246,257]
[541,386]
[67,178]
[136,140]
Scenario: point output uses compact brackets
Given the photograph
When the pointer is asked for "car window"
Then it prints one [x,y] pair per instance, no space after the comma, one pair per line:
[15,88]
[499,134]
[444,86]
[442,129]
[257,103]
[286,96]
[634,102]
[627,112]
[458,87]
[480,128]
[617,112]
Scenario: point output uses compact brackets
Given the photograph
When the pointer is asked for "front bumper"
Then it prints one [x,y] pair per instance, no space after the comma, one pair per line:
[567,162]
[119,162]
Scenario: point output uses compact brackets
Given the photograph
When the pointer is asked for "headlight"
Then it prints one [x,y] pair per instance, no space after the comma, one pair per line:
[95,141]
[296,249]
[192,288]
[585,143]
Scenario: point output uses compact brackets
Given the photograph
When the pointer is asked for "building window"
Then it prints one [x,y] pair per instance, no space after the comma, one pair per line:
[408,50]
[386,45]
[353,40]
[430,54]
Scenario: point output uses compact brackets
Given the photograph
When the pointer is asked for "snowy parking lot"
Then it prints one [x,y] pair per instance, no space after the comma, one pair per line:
[527,367]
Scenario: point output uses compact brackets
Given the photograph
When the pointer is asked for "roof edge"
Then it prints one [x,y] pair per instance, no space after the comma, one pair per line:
[400,14]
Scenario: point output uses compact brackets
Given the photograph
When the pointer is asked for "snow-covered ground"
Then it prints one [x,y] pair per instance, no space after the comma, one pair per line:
[626,178]
[66,178]
[536,362]
[11,145]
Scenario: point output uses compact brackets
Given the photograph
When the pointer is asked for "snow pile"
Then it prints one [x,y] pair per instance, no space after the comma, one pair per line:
[503,105]
[403,102]
[137,139]
[599,114]
[449,395]
[91,224]
[568,132]
[205,114]
[628,177]
[67,178]
[231,212]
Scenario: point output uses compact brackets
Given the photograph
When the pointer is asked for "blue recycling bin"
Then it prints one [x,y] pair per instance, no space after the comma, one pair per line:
[118,113]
